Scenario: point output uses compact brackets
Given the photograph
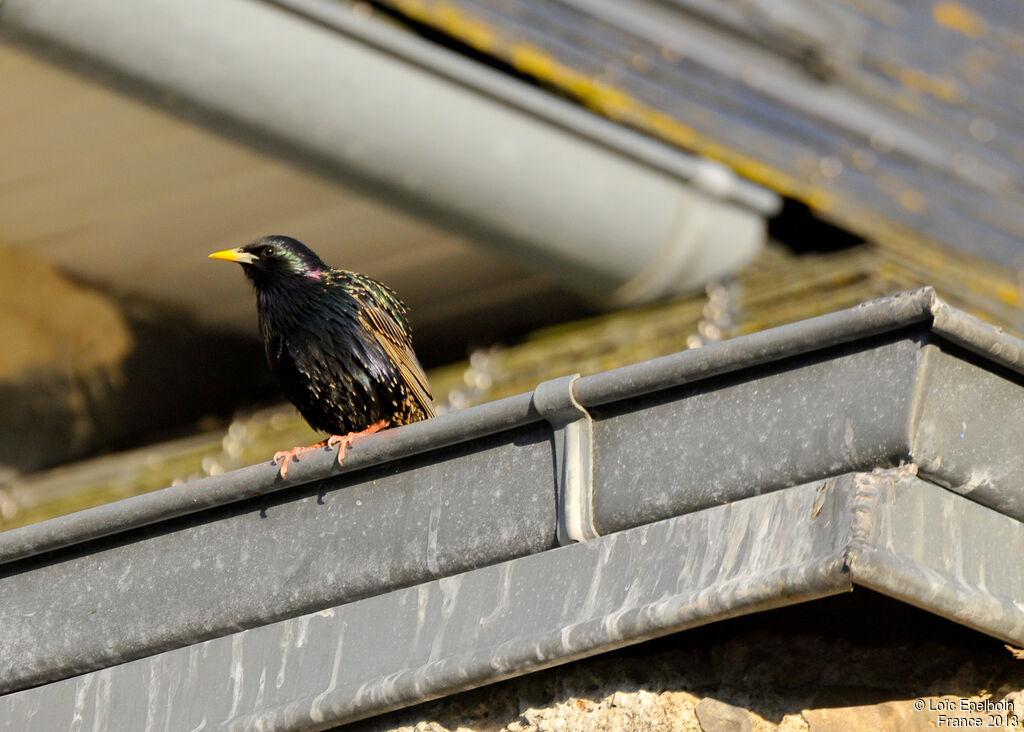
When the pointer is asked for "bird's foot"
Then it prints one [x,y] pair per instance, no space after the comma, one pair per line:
[345,441]
[285,457]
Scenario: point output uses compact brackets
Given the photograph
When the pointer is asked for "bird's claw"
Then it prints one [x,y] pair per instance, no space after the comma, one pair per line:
[285,457]
[343,442]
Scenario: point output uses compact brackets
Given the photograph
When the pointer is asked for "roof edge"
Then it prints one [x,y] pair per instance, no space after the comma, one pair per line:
[862,321]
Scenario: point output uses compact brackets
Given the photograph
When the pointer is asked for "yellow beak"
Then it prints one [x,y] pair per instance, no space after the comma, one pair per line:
[230,255]
[234,255]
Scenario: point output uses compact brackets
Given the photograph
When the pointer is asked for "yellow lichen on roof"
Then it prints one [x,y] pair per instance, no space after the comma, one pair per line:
[944,88]
[958,17]
[604,97]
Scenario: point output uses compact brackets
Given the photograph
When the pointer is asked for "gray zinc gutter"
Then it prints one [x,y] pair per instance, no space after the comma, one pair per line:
[481,493]
[373,655]
[866,320]
[872,318]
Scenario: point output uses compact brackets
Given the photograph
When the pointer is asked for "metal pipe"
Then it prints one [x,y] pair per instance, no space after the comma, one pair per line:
[596,208]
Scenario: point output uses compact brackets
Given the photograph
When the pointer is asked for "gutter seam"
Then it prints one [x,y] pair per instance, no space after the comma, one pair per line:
[573,455]
[861,509]
[864,509]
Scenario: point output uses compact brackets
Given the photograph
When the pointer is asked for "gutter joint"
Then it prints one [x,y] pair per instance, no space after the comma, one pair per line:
[574,457]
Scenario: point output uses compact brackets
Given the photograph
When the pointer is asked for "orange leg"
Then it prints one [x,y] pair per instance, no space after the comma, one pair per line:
[286,456]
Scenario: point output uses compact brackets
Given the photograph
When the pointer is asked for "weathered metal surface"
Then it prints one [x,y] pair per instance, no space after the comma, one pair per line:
[887,530]
[924,545]
[347,662]
[257,480]
[256,561]
[875,386]
[967,428]
[793,421]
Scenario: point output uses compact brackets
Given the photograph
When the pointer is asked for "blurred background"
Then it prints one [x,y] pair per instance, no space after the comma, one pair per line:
[553,186]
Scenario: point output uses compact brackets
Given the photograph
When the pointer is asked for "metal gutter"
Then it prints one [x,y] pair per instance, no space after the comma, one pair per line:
[548,184]
[336,665]
[492,491]
[869,319]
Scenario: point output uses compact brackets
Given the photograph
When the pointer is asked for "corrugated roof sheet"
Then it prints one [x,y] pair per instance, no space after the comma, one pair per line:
[901,121]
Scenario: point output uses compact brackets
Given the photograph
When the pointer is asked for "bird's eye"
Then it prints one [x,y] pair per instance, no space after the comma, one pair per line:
[268,252]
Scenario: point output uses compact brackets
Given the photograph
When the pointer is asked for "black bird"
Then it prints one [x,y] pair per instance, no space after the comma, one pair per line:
[338,342]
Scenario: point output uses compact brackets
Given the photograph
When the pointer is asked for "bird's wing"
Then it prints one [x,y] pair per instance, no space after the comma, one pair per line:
[395,343]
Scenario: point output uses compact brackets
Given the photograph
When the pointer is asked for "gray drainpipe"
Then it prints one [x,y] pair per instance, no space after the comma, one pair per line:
[613,213]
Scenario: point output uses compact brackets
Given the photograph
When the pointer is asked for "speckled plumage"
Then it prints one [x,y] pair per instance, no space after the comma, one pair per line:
[338,342]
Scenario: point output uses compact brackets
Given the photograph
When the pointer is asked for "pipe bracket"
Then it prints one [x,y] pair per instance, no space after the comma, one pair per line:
[574,452]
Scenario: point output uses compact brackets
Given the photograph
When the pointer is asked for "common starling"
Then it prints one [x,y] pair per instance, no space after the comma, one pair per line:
[338,342]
